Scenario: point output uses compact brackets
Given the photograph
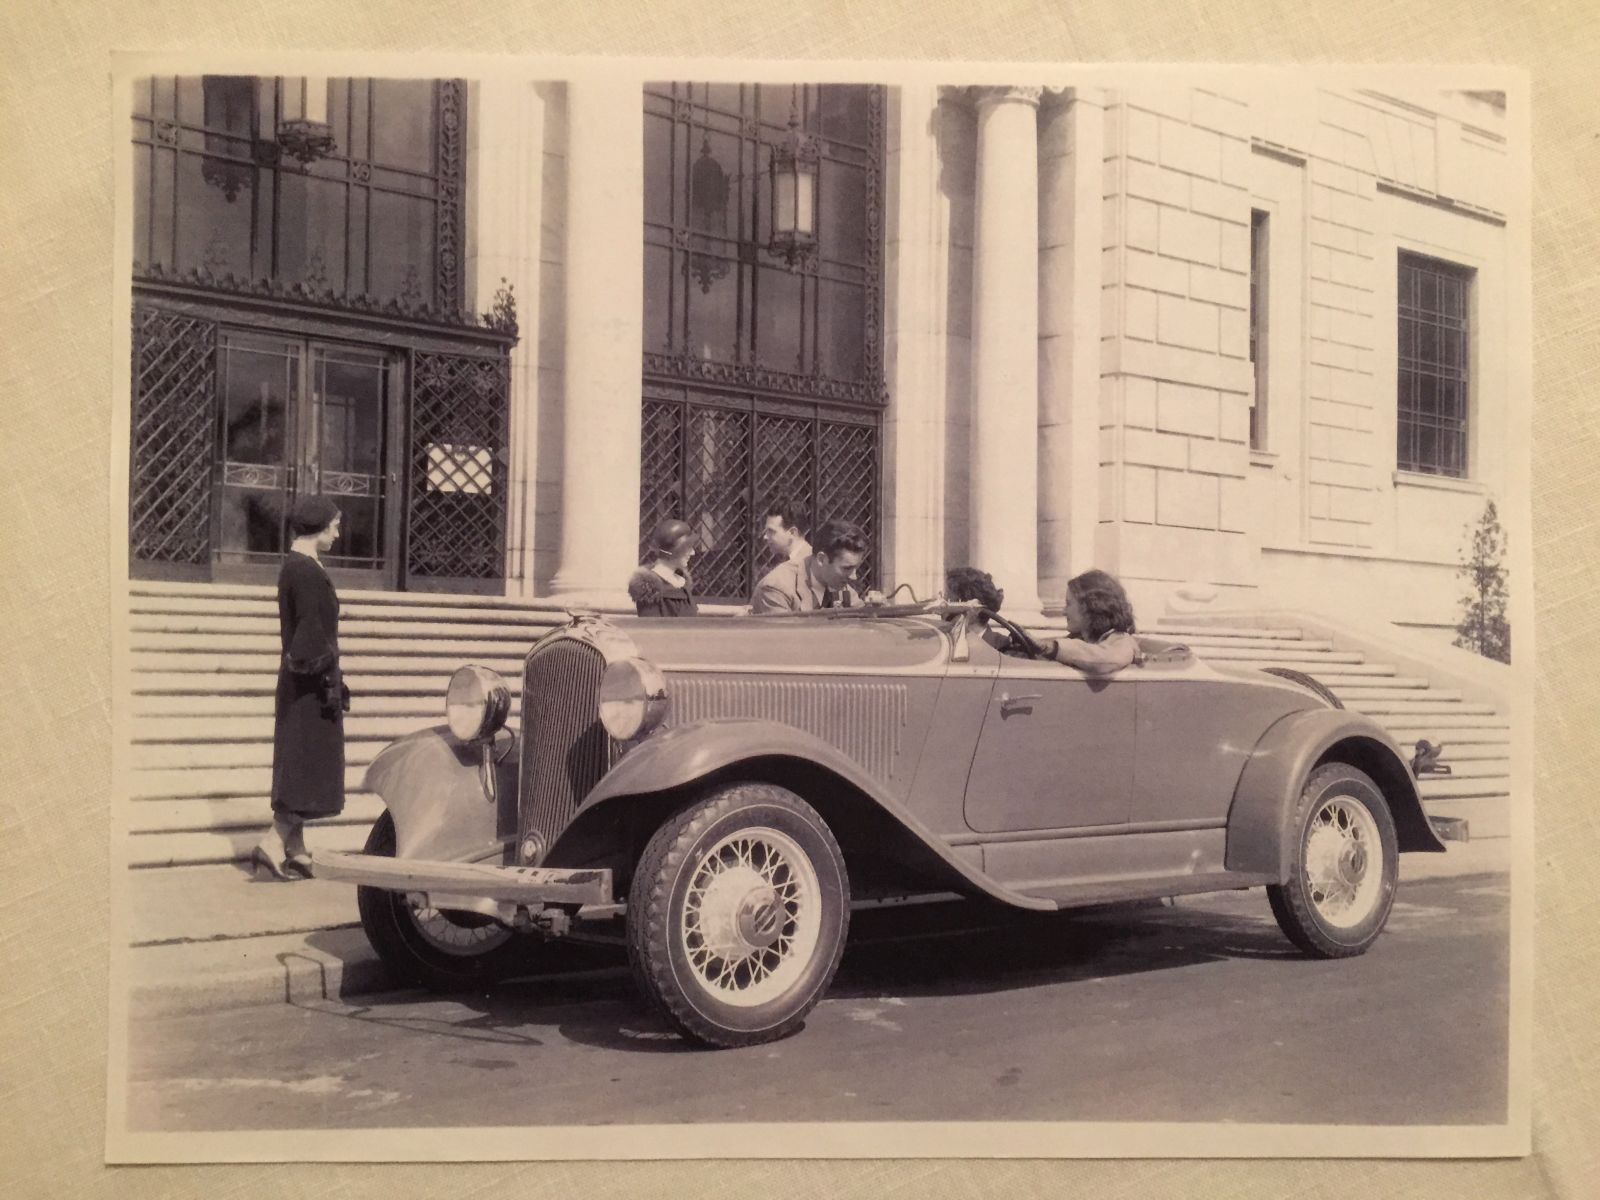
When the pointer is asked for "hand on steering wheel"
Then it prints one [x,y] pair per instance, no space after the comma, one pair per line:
[1020,637]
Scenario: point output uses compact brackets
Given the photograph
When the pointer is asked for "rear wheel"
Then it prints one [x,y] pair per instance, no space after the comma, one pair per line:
[442,951]
[737,915]
[1343,870]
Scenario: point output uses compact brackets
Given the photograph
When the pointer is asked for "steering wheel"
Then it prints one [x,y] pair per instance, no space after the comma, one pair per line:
[1020,637]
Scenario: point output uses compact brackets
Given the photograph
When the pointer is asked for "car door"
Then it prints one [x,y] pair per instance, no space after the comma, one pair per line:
[1055,750]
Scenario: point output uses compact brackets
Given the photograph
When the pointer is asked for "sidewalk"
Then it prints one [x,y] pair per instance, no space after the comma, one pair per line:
[206,938]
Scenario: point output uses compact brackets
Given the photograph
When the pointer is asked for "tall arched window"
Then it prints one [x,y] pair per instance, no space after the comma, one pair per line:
[763,372]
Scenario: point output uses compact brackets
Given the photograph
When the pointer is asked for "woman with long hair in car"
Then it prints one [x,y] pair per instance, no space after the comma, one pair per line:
[1100,630]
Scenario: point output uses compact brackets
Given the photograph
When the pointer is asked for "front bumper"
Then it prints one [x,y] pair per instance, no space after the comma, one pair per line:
[457,885]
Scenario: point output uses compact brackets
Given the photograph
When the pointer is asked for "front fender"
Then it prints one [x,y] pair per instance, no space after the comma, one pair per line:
[682,756]
[1261,830]
[430,783]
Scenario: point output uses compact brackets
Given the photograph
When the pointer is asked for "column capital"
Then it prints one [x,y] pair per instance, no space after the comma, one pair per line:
[1004,94]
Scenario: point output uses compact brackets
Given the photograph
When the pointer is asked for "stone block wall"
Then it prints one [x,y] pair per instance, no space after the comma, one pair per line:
[1175,374]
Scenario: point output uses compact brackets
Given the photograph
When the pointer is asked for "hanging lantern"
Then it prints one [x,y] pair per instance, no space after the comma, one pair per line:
[794,195]
[708,214]
[304,133]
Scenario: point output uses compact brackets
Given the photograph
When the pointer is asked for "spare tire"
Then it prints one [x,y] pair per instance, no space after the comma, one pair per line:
[1311,685]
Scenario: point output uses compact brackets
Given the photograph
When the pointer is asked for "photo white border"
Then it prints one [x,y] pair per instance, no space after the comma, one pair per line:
[1010,1139]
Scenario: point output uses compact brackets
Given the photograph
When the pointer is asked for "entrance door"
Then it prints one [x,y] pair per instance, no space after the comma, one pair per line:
[301,417]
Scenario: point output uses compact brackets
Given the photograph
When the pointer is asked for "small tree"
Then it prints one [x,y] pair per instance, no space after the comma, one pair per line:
[1483,626]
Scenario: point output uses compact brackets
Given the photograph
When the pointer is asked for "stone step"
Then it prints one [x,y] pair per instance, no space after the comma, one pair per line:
[1460,752]
[238,617]
[178,690]
[1176,627]
[1416,707]
[159,742]
[514,643]
[236,812]
[1440,722]
[1454,787]
[1291,655]
[1409,735]
[177,783]
[360,747]
[1341,680]
[1325,671]
[1474,769]
[169,670]
[248,631]
[1486,817]
[233,845]
[1209,642]
[1355,694]
[176,709]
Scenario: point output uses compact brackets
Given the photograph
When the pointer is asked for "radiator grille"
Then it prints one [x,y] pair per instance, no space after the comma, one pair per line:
[565,749]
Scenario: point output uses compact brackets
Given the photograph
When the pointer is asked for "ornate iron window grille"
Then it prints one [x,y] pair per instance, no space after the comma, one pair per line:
[172,435]
[241,163]
[724,437]
[1433,387]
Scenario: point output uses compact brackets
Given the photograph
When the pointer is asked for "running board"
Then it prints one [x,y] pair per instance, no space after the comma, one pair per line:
[1112,891]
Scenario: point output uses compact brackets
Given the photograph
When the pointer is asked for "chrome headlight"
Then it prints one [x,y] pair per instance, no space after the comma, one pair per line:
[476,703]
[633,698]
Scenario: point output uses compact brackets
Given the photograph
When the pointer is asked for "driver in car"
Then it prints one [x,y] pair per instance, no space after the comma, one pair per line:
[1100,624]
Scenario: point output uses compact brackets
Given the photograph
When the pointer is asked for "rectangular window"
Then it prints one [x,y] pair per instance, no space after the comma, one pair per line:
[1434,352]
[1258,327]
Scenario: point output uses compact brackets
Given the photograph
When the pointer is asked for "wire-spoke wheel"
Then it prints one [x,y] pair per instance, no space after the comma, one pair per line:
[737,915]
[1344,865]
[442,951]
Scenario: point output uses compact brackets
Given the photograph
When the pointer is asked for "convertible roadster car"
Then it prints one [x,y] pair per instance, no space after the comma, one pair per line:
[724,786]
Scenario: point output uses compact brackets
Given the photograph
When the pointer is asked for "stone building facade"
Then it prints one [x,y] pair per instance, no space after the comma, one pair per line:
[1250,345]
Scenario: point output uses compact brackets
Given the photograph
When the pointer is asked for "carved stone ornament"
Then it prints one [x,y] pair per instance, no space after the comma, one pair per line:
[1005,94]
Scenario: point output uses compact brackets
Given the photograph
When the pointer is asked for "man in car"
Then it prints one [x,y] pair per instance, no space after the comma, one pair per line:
[824,579]
[781,531]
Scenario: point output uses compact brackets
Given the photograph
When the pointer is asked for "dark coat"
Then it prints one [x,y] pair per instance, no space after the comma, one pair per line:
[653,596]
[308,714]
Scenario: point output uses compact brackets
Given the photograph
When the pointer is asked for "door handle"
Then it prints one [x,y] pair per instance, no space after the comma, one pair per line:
[1007,700]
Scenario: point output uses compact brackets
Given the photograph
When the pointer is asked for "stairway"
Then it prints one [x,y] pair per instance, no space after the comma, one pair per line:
[1476,737]
[203,665]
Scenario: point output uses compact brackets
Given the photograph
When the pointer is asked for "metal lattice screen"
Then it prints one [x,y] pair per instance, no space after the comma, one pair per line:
[172,437]
[718,466]
[459,435]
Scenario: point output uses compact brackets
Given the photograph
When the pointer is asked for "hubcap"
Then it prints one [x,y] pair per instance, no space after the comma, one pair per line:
[751,918]
[1343,862]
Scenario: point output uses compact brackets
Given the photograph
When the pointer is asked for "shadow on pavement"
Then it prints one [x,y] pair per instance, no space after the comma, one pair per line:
[585,994]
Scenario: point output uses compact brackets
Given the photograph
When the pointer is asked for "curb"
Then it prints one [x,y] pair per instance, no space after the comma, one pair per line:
[185,979]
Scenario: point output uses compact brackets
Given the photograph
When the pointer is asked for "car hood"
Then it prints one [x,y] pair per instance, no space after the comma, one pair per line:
[750,643]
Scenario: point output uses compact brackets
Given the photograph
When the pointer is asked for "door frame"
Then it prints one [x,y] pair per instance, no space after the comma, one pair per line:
[276,312]
[302,444]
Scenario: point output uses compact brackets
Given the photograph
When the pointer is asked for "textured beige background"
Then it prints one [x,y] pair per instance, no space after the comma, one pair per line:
[56,326]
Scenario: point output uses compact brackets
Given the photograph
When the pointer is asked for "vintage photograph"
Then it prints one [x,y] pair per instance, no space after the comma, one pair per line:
[738,610]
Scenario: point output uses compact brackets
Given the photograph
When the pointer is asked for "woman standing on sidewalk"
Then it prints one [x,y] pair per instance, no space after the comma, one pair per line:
[311,700]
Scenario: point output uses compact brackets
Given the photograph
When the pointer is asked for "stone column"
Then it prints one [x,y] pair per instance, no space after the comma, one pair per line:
[603,332]
[504,189]
[1005,350]
[916,329]
[1072,146]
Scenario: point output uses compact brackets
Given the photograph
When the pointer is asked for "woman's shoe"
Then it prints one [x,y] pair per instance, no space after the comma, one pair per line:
[297,866]
[261,861]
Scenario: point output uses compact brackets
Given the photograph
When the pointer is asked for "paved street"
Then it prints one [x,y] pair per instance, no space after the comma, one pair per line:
[1196,1011]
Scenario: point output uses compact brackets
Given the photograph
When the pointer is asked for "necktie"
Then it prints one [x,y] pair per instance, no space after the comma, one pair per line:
[829,597]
